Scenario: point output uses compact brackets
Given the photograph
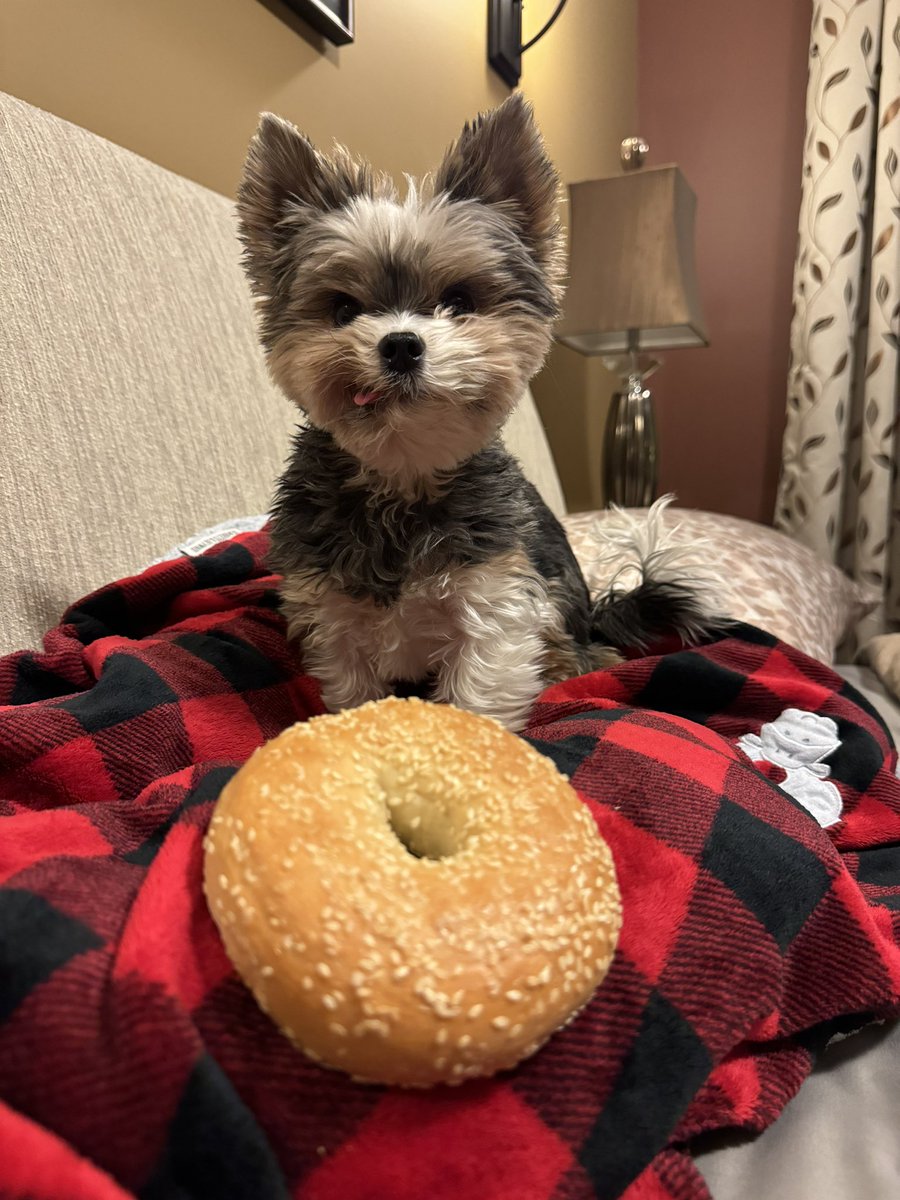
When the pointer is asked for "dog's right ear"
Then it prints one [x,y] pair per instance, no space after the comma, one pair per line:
[286,179]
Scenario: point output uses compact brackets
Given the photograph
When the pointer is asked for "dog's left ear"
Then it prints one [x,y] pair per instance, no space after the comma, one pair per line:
[500,159]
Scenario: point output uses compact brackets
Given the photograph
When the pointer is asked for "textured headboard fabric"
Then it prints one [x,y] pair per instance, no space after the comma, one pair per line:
[135,407]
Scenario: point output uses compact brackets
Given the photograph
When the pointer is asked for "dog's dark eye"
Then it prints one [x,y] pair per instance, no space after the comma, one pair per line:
[346,309]
[459,300]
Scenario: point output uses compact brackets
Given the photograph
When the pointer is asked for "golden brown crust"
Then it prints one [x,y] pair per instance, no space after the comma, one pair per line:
[412,893]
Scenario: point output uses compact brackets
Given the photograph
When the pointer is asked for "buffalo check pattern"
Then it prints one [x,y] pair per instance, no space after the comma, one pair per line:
[133,1063]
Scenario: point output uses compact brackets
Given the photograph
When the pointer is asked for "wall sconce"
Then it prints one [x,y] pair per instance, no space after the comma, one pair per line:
[505,47]
[632,288]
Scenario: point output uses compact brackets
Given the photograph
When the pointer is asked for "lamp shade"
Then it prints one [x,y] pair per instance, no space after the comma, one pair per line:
[632,264]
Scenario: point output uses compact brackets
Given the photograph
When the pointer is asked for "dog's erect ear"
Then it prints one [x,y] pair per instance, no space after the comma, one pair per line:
[500,159]
[285,176]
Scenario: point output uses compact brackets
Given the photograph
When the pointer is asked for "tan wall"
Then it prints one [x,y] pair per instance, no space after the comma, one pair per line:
[582,79]
[182,81]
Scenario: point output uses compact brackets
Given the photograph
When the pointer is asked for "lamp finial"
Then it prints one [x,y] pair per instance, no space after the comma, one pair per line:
[633,152]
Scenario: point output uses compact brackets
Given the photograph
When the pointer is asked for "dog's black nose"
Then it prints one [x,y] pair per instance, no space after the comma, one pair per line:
[401,352]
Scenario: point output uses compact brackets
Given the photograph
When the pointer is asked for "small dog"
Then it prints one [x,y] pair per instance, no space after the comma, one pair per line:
[411,546]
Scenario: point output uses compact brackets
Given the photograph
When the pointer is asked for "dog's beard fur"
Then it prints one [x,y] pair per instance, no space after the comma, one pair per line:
[316,229]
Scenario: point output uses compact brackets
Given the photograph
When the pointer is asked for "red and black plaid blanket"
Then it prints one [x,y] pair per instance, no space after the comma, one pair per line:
[134,1063]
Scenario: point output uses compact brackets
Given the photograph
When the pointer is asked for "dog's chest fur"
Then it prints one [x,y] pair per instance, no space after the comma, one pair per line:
[376,546]
[470,586]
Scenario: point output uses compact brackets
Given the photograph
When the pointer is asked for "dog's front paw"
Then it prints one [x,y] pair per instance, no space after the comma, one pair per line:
[600,658]
[339,694]
[510,704]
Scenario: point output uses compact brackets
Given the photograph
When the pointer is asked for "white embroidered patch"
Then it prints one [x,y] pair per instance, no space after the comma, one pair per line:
[797,741]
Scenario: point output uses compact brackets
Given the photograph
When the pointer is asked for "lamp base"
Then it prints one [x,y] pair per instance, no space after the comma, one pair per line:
[629,448]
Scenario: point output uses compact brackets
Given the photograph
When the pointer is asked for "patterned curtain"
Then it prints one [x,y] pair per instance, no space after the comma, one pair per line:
[839,491]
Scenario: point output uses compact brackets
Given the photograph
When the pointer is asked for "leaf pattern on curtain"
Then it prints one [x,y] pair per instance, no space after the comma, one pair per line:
[839,490]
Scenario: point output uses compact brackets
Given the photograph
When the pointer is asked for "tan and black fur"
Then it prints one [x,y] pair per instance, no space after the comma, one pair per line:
[406,329]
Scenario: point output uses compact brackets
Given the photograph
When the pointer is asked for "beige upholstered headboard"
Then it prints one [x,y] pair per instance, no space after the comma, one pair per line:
[135,408]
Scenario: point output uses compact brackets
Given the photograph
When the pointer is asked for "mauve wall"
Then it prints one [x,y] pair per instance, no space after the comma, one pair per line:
[721,91]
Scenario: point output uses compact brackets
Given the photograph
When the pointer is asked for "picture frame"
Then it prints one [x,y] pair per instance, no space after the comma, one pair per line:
[332,18]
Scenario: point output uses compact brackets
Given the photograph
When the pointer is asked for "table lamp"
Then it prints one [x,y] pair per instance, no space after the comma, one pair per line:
[632,289]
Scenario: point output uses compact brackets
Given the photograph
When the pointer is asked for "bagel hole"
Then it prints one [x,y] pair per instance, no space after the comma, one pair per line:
[422,829]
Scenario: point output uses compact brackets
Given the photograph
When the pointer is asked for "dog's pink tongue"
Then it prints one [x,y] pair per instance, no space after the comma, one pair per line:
[362,398]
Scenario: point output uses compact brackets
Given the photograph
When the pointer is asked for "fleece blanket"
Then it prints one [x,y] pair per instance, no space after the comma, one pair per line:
[751,803]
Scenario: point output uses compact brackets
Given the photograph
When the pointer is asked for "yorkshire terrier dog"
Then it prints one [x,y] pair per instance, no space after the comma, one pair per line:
[411,546]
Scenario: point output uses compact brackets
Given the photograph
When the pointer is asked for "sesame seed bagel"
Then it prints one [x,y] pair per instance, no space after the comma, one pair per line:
[412,893]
